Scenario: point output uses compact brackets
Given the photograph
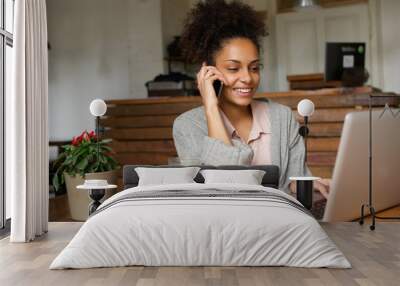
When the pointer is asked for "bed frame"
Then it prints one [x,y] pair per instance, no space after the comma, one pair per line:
[270,179]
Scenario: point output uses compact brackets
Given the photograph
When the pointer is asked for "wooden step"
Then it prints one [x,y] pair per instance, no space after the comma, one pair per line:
[318,144]
[153,158]
[138,121]
[319,116]
[163,146]
[150,109]
[156,133]
[321,159]
[314,159]
[161,133]
[336,101]
[325,129]
[326,115]
[323,144]
[322,171]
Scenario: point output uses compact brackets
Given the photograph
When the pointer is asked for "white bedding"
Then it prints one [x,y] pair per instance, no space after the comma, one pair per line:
[183,231]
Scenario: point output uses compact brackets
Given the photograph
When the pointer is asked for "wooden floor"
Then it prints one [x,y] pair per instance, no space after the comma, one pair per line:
[375,257]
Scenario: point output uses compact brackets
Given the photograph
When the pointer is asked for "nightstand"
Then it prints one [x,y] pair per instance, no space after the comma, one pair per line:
[96,193]
[304,190]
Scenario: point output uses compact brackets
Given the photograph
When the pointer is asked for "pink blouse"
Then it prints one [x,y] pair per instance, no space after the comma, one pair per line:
[260,135]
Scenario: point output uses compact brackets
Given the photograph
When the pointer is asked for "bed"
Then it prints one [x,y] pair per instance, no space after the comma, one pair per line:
[198,224]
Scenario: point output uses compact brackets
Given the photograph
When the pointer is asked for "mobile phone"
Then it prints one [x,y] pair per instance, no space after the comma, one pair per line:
[218,85]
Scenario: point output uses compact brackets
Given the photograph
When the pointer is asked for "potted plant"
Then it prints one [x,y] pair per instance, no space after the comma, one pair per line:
[84,158]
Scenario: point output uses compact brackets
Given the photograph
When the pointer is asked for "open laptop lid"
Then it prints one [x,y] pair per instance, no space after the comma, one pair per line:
[349,189]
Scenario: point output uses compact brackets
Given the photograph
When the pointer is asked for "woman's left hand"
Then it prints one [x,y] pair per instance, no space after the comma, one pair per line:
[322,185]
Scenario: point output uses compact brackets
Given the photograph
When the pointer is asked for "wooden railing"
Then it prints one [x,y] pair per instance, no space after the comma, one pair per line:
[141,129]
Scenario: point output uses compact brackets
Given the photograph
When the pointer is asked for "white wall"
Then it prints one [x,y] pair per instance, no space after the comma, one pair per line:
[389,43]
[173,14]
[99,49]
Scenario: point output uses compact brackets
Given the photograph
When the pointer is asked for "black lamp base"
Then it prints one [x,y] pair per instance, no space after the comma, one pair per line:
[304,193]
[304,131]
[96,195]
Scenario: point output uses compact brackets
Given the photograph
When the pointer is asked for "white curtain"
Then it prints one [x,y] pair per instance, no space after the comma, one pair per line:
[26,123]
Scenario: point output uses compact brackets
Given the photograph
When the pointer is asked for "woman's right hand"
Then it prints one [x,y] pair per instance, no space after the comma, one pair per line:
[205,78]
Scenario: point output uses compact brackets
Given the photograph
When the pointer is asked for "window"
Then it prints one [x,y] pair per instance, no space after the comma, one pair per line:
[6,61]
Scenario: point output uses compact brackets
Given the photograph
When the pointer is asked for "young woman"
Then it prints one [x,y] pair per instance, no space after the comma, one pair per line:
[234,128]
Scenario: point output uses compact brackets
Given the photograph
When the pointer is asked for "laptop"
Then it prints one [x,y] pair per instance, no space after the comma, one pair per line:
[350,181]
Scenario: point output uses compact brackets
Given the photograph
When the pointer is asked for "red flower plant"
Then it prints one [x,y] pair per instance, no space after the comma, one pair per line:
[92,135]
[85,136]
[84,155]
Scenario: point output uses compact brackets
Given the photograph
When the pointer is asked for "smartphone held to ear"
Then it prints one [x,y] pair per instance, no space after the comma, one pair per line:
[218,85]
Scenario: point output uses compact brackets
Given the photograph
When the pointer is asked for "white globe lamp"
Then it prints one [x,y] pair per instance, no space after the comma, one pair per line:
[305,108]
[98,108]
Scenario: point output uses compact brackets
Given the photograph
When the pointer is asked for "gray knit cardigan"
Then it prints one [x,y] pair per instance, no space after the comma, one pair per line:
[195,147]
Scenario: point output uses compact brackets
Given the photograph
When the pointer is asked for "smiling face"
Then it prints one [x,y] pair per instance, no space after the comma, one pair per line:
[239,62]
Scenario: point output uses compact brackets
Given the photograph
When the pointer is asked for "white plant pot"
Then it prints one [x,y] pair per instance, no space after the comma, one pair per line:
[78,200]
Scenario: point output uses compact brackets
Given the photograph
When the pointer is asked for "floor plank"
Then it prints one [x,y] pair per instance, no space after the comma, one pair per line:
[375,257]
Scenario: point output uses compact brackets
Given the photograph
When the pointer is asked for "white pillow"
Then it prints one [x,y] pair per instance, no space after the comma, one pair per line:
[248,177]
[165,176]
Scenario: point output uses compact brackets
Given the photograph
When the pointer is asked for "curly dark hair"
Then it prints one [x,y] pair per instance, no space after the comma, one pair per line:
[212,22]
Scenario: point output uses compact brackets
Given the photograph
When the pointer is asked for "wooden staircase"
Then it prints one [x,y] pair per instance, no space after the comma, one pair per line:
[141,129]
